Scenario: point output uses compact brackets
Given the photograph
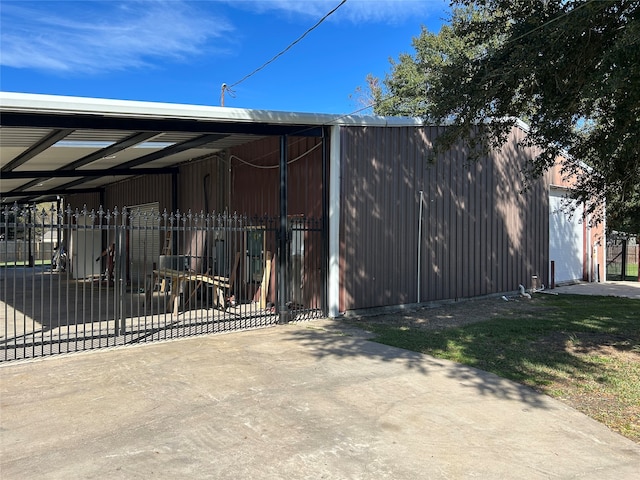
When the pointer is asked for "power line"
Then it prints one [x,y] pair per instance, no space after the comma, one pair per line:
[228,88]
[387,97]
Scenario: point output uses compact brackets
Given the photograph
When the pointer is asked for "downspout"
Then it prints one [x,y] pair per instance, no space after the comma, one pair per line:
[420,246]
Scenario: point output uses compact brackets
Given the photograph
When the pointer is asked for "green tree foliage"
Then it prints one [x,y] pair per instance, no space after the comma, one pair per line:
[569,68]
[623,214]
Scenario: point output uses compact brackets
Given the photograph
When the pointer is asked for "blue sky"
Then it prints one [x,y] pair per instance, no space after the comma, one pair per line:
[183,51]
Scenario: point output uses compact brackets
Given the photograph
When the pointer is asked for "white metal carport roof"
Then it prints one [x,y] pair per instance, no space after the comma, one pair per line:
[55,145]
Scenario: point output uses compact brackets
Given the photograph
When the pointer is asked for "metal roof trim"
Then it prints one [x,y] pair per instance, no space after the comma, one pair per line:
[30,102]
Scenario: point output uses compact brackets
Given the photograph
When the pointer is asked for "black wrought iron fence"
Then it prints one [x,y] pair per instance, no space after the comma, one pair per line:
[623,258]
[117,277]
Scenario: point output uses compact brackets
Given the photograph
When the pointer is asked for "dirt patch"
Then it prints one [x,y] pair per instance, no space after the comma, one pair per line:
[604,345]
[584,344]
[457,314]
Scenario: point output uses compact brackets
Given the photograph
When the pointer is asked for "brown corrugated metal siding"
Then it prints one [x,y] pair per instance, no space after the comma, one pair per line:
[480,233]
[141,190]
[208,175]
[255,188]
[254,183]
[133,191]
[80,200]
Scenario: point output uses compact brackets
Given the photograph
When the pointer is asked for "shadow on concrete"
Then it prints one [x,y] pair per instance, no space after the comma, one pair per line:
[335,339]
[538,346]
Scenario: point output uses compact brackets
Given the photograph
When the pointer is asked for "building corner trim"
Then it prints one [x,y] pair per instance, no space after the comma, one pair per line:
[334,223]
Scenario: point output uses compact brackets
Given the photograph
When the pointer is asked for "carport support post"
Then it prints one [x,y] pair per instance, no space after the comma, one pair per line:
[282,239]
[120,265]
[58,217]
[29,228]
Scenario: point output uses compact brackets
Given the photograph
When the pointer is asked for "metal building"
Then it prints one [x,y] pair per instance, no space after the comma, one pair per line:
[182,219]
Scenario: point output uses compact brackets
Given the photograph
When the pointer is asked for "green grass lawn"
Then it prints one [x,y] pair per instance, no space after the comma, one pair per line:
[632,271]
[580,349]
[23,263]
[614,273]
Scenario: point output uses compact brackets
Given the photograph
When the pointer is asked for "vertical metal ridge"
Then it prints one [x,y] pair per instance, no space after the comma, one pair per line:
[481,235]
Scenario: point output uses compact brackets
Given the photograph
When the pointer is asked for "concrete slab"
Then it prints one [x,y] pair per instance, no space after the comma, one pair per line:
[302,401]
[609,288]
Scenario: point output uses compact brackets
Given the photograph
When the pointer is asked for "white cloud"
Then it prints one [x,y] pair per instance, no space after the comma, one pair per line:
[355,11]
[100,36]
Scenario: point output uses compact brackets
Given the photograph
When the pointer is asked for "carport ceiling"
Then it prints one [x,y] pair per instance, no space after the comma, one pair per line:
[63,145]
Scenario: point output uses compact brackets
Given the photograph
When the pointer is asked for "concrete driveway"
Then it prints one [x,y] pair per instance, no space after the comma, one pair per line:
[607,289]
[300,401]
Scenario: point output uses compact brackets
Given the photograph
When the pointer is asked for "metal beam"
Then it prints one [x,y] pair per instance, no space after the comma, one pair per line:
[53,191]
[40,174]
[35,149]
[117,147]
[128,166]
[27,185]
[173,149]
[158,125]
[165,152]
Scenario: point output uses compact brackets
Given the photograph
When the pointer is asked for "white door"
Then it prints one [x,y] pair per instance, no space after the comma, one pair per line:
[84,247]
[566,247]
[144,240]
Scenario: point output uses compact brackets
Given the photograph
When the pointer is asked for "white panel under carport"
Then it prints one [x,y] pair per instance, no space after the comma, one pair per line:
[144,239]
[84,247]
[566,236]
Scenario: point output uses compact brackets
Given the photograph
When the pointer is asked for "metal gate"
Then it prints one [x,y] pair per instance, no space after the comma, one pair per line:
[623,257]
[69,281]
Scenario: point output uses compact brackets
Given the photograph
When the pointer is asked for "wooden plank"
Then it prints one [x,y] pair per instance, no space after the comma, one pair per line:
[167,243]
[266,277]
[232,275]
[180,277]
[176,303]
